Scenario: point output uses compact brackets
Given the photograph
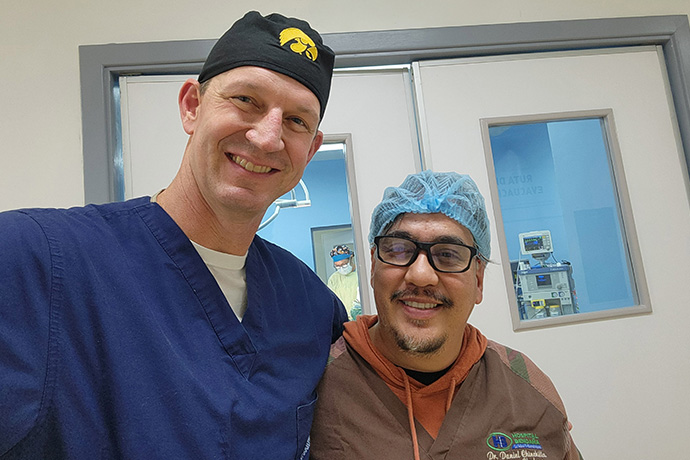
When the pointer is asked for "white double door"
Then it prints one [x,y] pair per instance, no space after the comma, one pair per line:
[402,120]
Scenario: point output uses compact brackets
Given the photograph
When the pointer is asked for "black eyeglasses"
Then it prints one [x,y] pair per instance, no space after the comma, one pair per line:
[443,257]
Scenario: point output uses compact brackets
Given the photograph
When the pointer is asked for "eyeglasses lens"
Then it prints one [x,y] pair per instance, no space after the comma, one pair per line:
[448,257]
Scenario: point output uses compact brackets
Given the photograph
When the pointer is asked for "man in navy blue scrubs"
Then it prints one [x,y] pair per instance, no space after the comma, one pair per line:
[164,328]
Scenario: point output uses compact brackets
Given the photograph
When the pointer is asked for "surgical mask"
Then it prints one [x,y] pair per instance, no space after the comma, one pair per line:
[345,269]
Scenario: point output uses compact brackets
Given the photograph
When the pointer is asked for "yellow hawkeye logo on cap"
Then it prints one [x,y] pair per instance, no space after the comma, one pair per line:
[302,42]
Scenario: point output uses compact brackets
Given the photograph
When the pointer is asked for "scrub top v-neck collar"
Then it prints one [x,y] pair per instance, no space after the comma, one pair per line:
[235,336]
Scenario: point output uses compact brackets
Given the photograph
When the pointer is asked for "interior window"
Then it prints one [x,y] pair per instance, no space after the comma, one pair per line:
[315,217]
[561,215]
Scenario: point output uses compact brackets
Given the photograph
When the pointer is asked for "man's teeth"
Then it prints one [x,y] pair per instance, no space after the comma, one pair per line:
[421,306]
[249,166]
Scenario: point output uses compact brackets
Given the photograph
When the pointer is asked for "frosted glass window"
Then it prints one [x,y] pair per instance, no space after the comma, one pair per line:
[561,218]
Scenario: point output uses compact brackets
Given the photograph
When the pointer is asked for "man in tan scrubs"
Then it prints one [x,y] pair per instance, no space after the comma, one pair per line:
[416,380]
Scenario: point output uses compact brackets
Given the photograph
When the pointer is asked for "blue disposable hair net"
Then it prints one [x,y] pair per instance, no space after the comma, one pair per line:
[455,195]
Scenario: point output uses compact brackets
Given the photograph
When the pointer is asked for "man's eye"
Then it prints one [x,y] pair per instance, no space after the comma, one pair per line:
[245,99]
[447,253]
[398,250]
[300,123]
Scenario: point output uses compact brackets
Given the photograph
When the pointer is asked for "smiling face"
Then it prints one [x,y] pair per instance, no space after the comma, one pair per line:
[252,133]
[422,313]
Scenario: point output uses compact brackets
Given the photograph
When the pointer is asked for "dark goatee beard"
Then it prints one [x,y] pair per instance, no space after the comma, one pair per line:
[414,345]
[417,346]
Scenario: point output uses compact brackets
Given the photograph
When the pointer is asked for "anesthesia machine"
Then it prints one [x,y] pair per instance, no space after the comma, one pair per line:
[544,289]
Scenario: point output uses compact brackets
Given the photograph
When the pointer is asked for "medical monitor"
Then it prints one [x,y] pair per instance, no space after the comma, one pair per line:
[533,243]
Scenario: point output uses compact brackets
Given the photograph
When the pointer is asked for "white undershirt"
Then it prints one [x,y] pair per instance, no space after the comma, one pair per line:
[229,272]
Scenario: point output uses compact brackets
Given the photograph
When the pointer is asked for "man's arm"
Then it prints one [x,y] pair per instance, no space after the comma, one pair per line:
[27,290]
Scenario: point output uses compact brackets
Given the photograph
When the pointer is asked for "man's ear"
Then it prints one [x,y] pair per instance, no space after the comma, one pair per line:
[315,145]
[188,102]
[481,266]
[371,277]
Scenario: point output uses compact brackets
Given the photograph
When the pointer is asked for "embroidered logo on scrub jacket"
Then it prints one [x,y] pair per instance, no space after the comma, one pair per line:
[518,446]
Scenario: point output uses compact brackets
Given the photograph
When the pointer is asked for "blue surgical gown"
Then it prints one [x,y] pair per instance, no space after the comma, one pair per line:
[116,342]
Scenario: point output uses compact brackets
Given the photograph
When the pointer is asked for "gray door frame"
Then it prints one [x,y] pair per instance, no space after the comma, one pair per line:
[102,65]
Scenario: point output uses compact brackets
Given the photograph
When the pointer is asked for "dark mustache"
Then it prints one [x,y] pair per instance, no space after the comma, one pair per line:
[423,292]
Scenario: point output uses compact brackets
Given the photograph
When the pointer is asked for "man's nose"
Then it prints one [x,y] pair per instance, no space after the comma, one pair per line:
[421,273]
[267,132]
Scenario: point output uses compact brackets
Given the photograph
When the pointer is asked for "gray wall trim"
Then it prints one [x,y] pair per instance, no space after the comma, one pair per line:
[101,65]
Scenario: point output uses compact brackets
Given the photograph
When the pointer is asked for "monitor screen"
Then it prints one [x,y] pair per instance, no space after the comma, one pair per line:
[543,280]
[538,242]
[533,243]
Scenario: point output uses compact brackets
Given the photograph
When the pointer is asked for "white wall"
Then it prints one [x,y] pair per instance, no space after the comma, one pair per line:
[40,134]
[40,128]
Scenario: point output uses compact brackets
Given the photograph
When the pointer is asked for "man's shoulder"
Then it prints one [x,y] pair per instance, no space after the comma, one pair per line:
[31,227]
[269,247]
[519,364]
[515,360]
[23,230]
[341,362]
[337,349]
[274,256]
[344,374]
[43,216]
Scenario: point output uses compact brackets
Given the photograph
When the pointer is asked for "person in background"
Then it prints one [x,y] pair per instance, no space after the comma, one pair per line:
[164,328]
[344,281]
[417,381]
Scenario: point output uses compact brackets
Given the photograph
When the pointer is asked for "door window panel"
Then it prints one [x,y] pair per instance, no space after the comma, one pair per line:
[562,216]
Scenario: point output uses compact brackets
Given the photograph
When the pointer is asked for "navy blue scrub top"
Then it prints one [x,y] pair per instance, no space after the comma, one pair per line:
[116,342]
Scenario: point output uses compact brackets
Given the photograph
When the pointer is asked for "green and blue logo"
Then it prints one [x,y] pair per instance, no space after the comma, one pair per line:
[526,441]
[499,441]
[502,442]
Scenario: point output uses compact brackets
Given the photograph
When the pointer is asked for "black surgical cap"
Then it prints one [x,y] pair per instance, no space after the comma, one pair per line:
[285,45]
